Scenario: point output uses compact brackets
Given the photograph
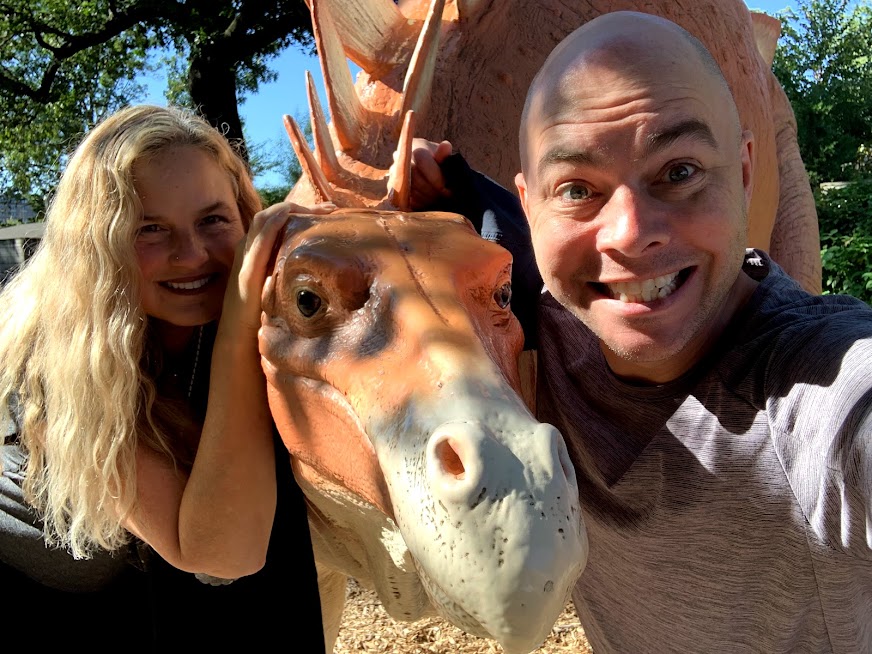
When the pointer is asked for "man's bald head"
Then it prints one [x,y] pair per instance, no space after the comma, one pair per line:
[638,43]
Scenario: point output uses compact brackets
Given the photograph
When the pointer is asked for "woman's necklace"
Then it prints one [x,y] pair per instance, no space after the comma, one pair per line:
[196,360]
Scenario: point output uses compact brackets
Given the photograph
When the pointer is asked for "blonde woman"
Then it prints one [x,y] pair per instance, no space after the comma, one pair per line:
[124,444]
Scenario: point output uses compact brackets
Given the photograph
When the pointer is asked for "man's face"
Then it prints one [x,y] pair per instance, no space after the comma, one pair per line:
[636,189]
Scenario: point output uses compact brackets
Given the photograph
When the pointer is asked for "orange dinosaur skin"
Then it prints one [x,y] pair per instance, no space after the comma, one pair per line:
[391,356]
[482,59]
[436,318]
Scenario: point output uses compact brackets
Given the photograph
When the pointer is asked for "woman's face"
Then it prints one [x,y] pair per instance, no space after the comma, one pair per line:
[186,241]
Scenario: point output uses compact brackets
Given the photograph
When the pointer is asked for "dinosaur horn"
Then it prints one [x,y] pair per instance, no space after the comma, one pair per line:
[324,153]
[368,29]
[307,160]
[419,77]
[400,179]
[345,107]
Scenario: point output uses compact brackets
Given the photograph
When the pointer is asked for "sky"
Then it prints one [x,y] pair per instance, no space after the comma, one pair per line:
[262,113]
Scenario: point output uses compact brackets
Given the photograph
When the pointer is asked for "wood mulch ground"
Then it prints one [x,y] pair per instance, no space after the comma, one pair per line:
[366,627]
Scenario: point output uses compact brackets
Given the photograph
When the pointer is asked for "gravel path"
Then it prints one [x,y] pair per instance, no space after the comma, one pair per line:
[366,627]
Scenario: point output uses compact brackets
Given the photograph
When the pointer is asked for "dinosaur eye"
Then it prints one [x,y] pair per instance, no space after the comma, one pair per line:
[503,295]
[308,302]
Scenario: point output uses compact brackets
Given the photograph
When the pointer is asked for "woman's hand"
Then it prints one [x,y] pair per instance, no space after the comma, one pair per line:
[242,299]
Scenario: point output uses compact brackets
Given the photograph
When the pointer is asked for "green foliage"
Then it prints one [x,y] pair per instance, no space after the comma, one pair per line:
[47,103]
[845,219]
[273,194]
[64,65]
[823,62]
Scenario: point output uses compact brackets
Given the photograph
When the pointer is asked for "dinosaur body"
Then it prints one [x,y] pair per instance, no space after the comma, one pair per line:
[467,77]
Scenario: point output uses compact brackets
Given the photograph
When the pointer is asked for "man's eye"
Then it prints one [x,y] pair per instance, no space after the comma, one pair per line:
[680,172]
[573,192]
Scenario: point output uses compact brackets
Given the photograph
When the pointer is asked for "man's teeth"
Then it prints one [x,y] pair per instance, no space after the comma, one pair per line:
[645,291]
[188,286]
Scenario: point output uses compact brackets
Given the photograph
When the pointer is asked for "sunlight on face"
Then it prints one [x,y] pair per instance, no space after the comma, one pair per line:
[636,188]
[187,239]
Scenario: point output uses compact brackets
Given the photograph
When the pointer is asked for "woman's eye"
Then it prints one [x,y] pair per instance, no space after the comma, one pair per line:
[308,302]
[503,295]
[149,229]
[573,192]
[213,219]
[680,172]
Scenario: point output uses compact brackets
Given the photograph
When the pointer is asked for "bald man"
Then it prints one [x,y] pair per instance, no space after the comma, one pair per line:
[719,417]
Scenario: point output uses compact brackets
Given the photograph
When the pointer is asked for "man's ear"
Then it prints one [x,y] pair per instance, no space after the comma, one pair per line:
[747,155]
[521,184]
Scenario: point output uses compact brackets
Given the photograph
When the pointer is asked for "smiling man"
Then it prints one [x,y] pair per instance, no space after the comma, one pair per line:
[719,418]
[636,188]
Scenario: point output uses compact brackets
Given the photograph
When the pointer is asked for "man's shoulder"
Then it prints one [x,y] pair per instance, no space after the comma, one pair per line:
[782,308]
[816,339]
[805,352]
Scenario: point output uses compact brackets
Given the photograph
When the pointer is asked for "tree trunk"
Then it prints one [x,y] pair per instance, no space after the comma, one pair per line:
[212,85]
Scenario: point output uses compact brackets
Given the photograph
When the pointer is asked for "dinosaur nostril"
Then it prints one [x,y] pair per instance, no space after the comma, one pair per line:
[449,459]
[455,461]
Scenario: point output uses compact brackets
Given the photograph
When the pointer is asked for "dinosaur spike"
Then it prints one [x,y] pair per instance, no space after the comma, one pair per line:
[400,180]
[368,30]
[307,159]
[767,29]
[324,152]
[344,105]
[419,77]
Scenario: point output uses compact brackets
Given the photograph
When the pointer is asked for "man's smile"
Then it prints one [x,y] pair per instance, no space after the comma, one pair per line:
[644,290]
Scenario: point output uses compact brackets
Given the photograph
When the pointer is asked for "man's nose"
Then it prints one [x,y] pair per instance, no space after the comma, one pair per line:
[632,223]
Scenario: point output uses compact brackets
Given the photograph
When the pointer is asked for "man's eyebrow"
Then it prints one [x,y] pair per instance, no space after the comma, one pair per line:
[560,155]
[686,129]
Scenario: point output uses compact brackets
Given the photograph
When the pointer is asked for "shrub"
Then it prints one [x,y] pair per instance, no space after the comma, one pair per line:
[845,220]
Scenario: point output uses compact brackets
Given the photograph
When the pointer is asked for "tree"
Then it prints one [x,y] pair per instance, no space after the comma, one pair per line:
[65,65]
[277,156]
[823,62]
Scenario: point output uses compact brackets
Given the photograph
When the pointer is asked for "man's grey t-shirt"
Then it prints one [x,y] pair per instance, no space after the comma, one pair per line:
[730,510]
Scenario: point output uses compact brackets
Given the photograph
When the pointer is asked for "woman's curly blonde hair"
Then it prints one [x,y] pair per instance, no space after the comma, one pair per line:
[73,335]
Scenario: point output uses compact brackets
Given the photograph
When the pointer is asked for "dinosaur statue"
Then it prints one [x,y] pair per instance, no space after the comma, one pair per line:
[463,66]
[391,354]
[459,70]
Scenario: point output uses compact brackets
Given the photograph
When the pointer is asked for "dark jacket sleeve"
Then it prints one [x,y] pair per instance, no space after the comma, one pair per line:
[497,215]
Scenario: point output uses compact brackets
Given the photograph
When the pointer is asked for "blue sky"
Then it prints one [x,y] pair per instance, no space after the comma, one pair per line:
[262,113]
